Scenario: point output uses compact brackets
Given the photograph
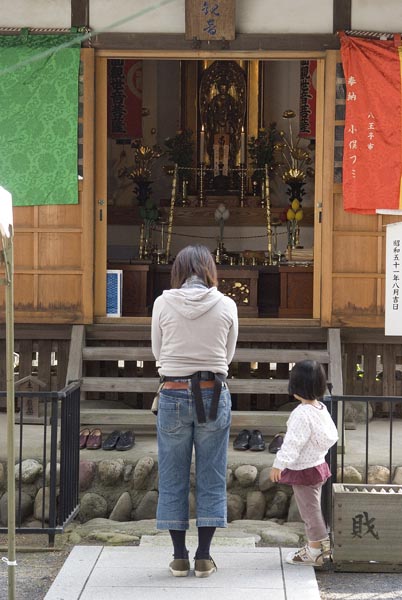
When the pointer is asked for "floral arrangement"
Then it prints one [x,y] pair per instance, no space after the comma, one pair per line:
[293,166]
[294,160]
[261,149]
[140,174]
[180,148]
[144,156]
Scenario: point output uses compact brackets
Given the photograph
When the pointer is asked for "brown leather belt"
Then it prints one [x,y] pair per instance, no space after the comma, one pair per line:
[183,385]
[197,382]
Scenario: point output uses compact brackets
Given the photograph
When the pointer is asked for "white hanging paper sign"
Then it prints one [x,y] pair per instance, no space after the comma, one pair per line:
[393,280]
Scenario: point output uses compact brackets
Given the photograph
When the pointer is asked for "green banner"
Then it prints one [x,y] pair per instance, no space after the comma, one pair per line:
[39,118]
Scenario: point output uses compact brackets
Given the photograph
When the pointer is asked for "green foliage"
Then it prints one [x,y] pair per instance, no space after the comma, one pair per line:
[180,148]
[149,211]
[261,148]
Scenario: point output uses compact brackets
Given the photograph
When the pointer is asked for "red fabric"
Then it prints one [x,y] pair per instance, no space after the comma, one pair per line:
[372,142]
[310,476]
[124,99]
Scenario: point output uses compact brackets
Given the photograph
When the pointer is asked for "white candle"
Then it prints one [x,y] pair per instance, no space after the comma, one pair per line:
[242,147]
[202,144]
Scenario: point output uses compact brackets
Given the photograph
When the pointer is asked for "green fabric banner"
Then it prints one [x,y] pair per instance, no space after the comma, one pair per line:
[39,118]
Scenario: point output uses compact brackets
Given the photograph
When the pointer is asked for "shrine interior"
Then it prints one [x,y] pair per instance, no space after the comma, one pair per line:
[233,129]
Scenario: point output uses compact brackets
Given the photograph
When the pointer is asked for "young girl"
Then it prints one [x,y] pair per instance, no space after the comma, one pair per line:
[300,461]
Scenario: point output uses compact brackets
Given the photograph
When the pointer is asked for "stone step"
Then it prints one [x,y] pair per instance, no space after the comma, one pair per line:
[232,539]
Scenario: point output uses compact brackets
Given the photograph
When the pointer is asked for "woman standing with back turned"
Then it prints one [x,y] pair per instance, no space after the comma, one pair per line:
[194,334]
[300,461]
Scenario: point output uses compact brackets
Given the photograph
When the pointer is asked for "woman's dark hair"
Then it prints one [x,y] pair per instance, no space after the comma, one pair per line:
[194,260]
[308,380]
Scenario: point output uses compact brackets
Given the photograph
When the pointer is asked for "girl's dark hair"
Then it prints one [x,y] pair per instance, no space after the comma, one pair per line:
[194,260]
[308,380]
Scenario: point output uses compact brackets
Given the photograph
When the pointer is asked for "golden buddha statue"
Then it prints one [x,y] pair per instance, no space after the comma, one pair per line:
[222,110]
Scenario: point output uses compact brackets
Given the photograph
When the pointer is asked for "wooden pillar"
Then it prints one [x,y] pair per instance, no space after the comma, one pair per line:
[79,13]
[342,15]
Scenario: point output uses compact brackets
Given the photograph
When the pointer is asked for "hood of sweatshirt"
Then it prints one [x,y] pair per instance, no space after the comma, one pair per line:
[192,302]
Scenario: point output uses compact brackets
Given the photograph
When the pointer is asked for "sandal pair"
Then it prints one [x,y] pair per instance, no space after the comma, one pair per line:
[90,439]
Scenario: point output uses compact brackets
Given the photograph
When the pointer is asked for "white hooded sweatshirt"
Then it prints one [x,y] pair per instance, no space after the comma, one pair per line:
[193,329]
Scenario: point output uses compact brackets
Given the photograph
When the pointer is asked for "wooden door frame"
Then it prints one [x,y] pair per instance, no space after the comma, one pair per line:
[100,199]
[101,57]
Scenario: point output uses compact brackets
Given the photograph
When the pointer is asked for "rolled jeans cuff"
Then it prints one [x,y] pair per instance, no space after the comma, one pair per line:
[204,522]
[176,525]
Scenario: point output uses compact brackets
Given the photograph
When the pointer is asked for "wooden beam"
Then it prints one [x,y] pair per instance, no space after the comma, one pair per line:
[150,384]
[79,13]
[100,187]
[74,368]
[261,355]
[335,363]
[342,15]
[327,190]
[38,332]
[243,42]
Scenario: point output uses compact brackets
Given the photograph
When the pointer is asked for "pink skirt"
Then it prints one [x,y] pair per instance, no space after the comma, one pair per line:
[310,476]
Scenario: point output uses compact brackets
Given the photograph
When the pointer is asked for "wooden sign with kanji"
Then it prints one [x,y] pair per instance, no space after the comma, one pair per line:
[210,19]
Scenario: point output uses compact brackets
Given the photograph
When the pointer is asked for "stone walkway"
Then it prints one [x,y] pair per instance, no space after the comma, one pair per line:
[244,571]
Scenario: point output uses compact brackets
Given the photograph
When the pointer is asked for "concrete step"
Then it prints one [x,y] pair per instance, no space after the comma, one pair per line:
[101,573]
[233,539]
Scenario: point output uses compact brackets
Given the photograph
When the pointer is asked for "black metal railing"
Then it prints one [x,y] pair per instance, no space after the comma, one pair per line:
[59,494]
[336,454]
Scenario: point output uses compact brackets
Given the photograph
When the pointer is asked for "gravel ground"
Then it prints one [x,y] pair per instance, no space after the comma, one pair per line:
[359,586]
[37,570]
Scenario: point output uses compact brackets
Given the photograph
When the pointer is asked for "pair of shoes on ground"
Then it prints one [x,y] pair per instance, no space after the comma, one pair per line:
[90,439]
[249,440]
[119,440]
[307,556]
[203,567]
[276,443]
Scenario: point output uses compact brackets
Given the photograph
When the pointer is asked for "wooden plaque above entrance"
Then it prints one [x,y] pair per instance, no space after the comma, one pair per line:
[210,19]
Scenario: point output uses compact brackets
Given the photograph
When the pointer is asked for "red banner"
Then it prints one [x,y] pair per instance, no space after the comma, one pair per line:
[124,99]
[308,85]
[373,128]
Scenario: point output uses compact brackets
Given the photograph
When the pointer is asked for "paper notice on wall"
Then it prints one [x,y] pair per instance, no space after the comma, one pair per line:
[393,280]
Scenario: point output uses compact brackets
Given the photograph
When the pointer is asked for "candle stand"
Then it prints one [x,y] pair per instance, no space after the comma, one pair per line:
[243,177]
[201,191]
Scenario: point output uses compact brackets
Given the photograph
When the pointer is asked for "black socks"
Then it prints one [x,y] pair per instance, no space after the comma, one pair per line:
[205,535]
[179,543]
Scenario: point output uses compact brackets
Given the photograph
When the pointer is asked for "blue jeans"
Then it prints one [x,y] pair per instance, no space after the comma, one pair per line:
[178,431]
